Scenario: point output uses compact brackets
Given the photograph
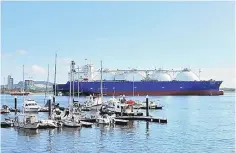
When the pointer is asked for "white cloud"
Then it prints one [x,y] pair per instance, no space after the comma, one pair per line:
[21,52]
[37,69]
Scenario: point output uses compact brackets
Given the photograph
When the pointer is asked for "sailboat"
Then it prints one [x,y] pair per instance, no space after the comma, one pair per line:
[26,121]
[101,117]
[69,120]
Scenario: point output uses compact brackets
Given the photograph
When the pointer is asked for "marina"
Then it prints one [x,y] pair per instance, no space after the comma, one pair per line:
[118,77]
[205,112]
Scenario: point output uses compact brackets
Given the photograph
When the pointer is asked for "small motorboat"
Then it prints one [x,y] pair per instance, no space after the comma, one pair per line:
[30,106]
[26,121]
[93,102]
[7,123]
[105,119]
[151,105]
[47,124]
[86,124]
[71,123]
[121,122]
[5,109]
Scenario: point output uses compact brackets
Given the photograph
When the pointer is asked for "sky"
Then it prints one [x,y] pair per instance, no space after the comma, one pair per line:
[171,35]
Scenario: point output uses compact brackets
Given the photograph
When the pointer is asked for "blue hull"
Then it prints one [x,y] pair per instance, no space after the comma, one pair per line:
[147,87]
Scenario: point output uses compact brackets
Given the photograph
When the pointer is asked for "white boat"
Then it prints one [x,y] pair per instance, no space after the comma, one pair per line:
[7,123]
[30,106]
[5,109]
[70,122]
[86,124]
[151,105]
[48,124]
[93,102]
[26,121]
[105,119]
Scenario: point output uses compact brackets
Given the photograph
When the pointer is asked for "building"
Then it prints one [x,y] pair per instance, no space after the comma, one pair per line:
[29,84]
[9,82]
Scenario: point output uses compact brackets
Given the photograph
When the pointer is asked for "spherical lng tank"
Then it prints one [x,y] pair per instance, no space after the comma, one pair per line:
[187,76]
[105,76]
[119,76]
[160,76]
[133,76]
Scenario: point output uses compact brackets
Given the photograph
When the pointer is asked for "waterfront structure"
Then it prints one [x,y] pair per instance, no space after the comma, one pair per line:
[9,82]
[29,84]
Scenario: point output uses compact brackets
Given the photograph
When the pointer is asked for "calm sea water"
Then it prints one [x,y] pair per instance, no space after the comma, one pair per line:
[195,124]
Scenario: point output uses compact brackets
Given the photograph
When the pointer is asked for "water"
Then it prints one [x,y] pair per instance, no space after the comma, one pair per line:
[195,124]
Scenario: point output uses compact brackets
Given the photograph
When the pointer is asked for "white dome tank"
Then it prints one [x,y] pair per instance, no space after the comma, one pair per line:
[160,76]
[105,76]
[187,76]
[133,76]
[119,76]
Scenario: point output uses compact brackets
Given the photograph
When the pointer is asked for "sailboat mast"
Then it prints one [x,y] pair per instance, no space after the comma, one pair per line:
[55,92]
[73,85]
[70,84]
[133,86]
[23,82]
[46,85]
[23,87]
[4,86]
[101,84]
[78,83]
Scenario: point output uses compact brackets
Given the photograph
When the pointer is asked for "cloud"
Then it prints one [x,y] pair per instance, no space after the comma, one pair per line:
[21,52]
[37,69]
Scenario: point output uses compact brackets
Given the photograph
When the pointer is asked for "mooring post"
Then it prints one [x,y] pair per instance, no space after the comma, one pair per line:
[49,108]
[15,104]
[147,113]
[54,100]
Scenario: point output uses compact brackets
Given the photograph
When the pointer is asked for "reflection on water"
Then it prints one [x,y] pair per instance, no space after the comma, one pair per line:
[27,132]
[147,128]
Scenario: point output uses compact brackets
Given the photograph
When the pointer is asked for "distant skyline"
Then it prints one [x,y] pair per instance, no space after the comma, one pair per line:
[172,35]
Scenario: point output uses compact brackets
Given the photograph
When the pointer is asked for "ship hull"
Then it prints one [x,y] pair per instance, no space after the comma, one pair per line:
[142,88]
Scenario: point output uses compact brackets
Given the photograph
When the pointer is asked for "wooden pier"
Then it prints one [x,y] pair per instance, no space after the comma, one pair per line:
[143,118]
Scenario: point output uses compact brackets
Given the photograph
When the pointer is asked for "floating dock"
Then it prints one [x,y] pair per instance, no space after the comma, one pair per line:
[143,118]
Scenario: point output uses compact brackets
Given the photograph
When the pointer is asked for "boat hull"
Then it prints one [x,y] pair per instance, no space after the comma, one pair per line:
[143,88]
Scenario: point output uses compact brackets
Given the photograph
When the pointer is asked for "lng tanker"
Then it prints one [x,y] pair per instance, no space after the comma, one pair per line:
[135,82]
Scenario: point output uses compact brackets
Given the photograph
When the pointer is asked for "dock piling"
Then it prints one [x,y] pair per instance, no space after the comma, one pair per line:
[15,99]
[53,100]
[147,110]
[49,108]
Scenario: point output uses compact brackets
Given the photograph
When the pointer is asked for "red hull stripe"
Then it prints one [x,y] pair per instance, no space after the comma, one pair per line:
[167,93]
